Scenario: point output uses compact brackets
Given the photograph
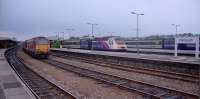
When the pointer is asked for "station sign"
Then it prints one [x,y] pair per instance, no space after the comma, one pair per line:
[187,40]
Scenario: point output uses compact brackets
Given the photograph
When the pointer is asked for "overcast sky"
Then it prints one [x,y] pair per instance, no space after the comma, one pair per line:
[27,18]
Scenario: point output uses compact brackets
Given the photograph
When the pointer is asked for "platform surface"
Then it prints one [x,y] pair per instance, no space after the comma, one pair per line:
[167,58]
[11,87]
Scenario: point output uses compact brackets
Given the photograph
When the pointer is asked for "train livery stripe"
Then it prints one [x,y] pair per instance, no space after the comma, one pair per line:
[105,45]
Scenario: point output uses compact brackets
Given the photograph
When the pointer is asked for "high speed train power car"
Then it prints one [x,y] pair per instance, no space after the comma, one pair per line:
[104,43]
[37,47]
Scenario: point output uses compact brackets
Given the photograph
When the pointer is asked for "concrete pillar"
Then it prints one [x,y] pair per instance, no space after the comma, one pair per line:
[197,48]
[199,80]
[176,47]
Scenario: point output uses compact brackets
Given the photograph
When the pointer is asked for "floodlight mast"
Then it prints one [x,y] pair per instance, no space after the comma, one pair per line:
[92,24]
[69,29]
[137,34]
[176,26]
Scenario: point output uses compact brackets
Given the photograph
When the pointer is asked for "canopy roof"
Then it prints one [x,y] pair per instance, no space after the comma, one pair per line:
[6,38]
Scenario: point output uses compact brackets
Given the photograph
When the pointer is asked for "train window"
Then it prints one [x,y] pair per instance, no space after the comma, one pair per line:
[119,41]
[111,42]
[43,41]
[144,42]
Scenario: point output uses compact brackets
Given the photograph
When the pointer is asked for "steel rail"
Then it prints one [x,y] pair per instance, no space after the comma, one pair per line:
[160,73]
[152,91]
[40,87]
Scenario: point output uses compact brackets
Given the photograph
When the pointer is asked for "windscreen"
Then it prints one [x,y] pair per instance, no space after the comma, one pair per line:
[119,40]
[43,41]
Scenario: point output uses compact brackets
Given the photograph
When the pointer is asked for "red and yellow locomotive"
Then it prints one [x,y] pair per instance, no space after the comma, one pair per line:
[37,47]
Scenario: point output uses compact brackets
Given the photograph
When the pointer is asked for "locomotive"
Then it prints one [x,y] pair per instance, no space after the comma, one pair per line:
[37,47]
[112,43]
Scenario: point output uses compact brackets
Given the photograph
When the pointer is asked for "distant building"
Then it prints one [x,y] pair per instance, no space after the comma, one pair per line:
[6,42]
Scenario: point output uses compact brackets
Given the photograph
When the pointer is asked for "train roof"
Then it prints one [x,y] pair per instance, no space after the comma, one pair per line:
[110,37]
[39,37]
[71,40]
[36,38]
[107,37]
[53,38]
[101,38]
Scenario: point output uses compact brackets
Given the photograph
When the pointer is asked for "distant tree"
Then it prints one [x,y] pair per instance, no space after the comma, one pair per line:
[56,44]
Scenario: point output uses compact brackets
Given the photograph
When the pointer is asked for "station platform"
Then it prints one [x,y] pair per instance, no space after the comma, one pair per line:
[11,87]
[165,58]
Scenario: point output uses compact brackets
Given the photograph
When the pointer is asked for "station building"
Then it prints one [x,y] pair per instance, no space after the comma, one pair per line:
[7,42]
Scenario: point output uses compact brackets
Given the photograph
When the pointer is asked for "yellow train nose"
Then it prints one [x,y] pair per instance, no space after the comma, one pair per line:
[41,49]
[122,46]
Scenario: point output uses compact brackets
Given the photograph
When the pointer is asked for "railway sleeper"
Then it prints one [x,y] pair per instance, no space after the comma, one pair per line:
[112,79]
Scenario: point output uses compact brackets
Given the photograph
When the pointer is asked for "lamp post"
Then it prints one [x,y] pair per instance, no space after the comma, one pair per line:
[176,26]
[69,29]
[57,35]
[92,24]
[137,34]
[62,33]
[175,38]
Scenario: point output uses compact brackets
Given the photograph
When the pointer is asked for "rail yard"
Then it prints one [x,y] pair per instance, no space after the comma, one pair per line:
[84,74]
[99,49]
[40,87]
[63,73]
[78,85]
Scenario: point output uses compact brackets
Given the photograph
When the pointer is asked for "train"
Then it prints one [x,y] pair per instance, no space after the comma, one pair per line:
[169,44]
[166,43]
[162,43]
[146,44]
[71,43]
[37,47]
[112,43]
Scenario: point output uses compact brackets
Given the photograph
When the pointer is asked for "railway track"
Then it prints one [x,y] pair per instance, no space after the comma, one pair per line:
[160,73]
[40,87]
[148,90]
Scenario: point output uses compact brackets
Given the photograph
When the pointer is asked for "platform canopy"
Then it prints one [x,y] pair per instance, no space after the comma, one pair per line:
[6,42]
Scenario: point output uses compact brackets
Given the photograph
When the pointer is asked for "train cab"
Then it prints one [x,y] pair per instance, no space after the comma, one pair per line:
[104,43]
[37,47]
